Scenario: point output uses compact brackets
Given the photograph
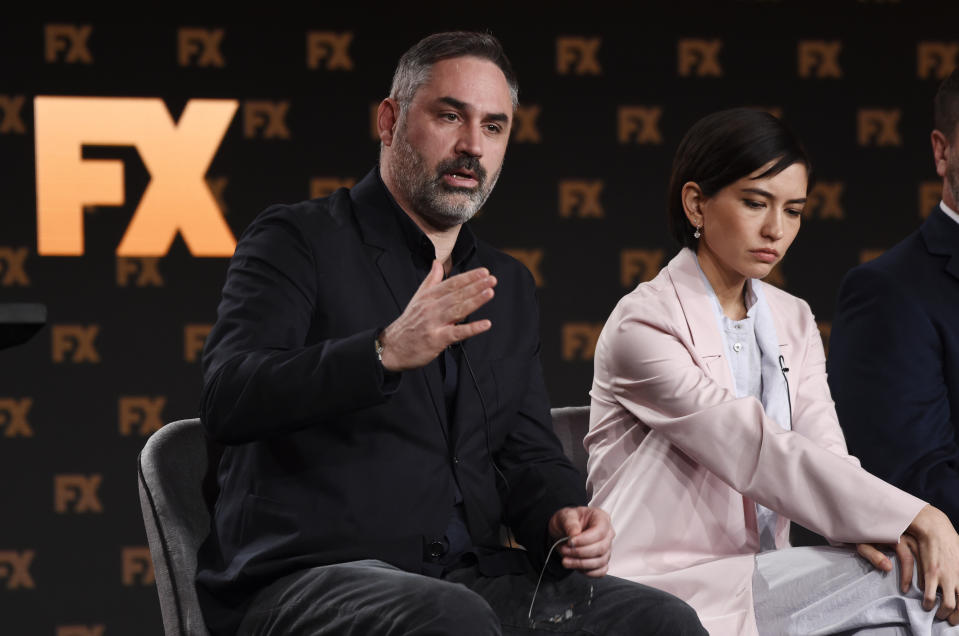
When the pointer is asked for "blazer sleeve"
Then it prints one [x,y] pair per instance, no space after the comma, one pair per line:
[814,414]
[261,378]
[886,372]
[659,380]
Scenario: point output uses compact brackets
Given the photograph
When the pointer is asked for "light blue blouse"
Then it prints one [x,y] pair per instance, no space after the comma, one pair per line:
[745,354]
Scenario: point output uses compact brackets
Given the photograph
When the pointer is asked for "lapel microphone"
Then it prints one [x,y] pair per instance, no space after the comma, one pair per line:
[789,402]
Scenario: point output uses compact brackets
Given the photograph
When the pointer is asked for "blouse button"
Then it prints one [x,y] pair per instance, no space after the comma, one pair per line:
[738,347]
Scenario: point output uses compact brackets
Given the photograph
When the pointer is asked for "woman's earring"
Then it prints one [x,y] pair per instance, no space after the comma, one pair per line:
[697,233]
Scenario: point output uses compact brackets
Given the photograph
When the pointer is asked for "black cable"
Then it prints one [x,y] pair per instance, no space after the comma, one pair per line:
[785,370]
[489,449]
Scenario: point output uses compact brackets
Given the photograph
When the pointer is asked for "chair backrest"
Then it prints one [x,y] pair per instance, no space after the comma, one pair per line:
[570,424]
[172,466]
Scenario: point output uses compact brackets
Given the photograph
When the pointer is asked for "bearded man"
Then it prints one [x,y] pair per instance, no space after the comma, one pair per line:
[383,411]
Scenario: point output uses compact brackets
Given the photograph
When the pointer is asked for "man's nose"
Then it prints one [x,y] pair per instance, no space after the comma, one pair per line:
[470,141]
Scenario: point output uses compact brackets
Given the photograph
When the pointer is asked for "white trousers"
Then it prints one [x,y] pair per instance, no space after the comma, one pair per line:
[823,590]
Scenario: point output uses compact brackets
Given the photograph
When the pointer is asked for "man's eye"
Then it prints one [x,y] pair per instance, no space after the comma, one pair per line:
[449,116]
[494,128]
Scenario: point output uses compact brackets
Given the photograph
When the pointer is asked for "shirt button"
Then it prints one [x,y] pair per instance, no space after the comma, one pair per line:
[456,459]
[738,347]
[737,326]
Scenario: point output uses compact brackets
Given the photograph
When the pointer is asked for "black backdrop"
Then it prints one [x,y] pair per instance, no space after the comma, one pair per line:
[607,92]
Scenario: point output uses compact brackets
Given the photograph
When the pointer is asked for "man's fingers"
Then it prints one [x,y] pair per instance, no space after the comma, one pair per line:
[434,278]
[570,523]
[596,565]
[591,551]
[458,309]
[458,333]
[455,283]
[872,554]
[592,536]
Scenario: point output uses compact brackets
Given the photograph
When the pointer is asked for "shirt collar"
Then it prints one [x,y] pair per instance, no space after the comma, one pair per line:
[419,243]
[952,214]
[751,297]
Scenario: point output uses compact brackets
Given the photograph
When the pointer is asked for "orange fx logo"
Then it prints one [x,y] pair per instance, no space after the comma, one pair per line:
[825,201]
[639,266]
[141,412]
[194,337]
[699,57]
[67,43]
[200,47]
[578,197]
[579,339]
[15,568]
[11,107]
[12,266]
[329,48]
[878,127]
[525,129]
[136,566]
[13,417]
[75,342]
[578,55]
[266,120]
[76,493]
[176,154]
[145,270]
[936,59]
[819,58]
[640,124]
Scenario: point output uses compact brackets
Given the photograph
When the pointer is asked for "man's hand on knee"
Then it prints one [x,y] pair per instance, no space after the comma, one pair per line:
[590,533]
[431,320]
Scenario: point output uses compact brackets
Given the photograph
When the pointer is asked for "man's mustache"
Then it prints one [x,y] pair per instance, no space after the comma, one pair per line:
[472,164]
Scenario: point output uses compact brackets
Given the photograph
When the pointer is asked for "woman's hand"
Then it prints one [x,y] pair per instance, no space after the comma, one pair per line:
[907,551]
[938,554]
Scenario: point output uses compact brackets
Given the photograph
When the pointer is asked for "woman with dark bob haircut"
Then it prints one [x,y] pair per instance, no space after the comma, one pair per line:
[711,425]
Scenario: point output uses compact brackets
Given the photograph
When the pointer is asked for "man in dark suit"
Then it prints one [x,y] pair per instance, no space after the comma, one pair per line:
[894,349]
[383,411]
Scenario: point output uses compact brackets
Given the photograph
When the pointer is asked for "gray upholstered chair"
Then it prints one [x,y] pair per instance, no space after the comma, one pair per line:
[570,424]
[172,467]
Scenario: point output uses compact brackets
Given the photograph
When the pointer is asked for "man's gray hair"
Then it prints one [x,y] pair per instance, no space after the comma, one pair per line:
[414,68]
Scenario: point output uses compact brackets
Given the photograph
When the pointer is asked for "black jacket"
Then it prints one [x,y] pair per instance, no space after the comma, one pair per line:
[327,461]
[894,363]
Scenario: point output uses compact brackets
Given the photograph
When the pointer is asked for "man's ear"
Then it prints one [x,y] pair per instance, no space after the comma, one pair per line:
[693,200]
[939,147]
[387,115]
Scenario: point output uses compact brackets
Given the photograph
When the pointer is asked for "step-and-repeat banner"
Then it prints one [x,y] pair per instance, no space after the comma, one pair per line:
[134,155]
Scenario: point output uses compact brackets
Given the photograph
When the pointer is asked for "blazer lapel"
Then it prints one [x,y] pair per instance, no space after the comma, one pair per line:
[700,316]
[376,218]
[941,235]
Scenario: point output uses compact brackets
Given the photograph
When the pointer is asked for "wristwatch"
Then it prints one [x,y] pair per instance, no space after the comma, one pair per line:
[378,346]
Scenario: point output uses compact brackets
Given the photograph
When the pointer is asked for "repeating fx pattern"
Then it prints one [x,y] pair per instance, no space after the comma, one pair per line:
[135,155]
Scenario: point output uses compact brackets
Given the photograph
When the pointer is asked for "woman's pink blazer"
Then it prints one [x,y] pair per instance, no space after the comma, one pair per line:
[679,462]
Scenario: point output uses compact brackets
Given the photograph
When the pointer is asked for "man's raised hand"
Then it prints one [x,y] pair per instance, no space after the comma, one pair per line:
[431,320]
